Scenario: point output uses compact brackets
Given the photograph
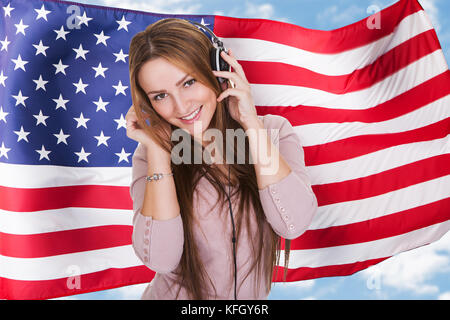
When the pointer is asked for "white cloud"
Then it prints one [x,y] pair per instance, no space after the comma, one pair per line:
[413,270]
[300,285]
[133,292]
[444,296]
[157,6]
[264,11]
[430,7]
[339,16]
[255,11]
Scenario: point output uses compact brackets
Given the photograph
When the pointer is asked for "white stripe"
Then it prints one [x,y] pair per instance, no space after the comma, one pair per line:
[375,162]
[413,196]
[62,266]
[378,161]
[27,223]
[367,250]
[319,133]
[343,63]
[401,81]
[30,176]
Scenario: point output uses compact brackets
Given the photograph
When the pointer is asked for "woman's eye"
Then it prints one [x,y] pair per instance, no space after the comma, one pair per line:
[191,82]
[156,97]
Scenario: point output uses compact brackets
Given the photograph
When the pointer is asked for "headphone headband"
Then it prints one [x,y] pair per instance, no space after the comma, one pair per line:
[216,39]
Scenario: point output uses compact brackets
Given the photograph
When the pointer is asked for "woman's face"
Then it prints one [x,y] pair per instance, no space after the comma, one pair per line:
[176,96]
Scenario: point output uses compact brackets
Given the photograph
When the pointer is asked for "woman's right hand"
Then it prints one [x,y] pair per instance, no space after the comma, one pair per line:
[135,132]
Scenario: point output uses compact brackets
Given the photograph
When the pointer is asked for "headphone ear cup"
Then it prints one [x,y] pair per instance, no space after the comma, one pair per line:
[218,63]
[224,66]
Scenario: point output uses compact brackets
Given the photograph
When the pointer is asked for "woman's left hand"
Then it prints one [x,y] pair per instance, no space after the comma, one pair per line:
[240,101]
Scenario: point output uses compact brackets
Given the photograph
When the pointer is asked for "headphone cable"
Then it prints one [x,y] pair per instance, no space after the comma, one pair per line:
[234,233]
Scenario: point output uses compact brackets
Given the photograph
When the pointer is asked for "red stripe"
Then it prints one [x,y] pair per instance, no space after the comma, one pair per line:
[87,196]
[11,289]
[261,72]
[305,273]
[374,229]
[64,242]
[383,182]
[326,193]
[413,99]
[356,146]
[349,37]
[47,289]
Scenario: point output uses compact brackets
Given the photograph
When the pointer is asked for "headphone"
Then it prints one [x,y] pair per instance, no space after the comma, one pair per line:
[219,64]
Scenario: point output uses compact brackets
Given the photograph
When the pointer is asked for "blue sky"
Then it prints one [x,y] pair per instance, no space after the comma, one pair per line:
[423,273]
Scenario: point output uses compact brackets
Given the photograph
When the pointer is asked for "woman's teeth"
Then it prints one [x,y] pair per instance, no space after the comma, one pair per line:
[192,115]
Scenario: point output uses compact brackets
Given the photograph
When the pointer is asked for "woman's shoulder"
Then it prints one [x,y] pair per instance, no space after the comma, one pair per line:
[273,121]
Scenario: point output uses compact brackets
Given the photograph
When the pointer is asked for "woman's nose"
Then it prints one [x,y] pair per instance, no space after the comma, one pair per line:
[181,105]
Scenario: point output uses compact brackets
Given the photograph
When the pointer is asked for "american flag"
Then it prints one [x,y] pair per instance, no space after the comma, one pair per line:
[369,102]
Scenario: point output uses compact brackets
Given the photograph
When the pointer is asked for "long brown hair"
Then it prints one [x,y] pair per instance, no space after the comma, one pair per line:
[186,47]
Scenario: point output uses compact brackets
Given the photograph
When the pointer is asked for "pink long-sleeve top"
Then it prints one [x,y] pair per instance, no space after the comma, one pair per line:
[289,206]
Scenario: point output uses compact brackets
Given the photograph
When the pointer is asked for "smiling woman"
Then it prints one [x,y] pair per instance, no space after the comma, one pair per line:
[181,226]
[176,96]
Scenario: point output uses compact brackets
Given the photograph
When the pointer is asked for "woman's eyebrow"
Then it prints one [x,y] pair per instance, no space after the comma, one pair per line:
[178,83]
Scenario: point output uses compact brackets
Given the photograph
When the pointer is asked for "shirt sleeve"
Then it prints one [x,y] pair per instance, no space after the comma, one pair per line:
[290,204]
[157,243]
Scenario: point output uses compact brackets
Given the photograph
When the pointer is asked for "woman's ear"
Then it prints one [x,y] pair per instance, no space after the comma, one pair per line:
[224,85]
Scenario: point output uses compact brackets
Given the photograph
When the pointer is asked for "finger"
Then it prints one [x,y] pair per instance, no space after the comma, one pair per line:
[232,92]
[233,62]
[233,76]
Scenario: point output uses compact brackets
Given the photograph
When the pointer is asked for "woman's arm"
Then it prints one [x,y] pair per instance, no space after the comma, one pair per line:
[158,236]
[284,186]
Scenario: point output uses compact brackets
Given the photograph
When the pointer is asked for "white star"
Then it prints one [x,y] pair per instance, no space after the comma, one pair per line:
[100,104]
[61,137]
[102,139]
[5,44]
[40,118]
[80,86]
[40,83]
[84,19]
[100,70]
[22,135]
[21,27]
[204,23]
[82,155]
[43,153]
[121,123]
[40,48]
[60,67]
[20,99]
[120,88]
[101,38]
[80,52]
[19,63]
[123,24]
[4,151]
[60,102]
[8,10]
[3,114]
[122,156]
[3,78]
[61,33]
[42,13]
[120,56]
[81,121]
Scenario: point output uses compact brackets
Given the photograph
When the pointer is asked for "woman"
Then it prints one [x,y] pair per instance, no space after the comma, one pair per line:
[183,225]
